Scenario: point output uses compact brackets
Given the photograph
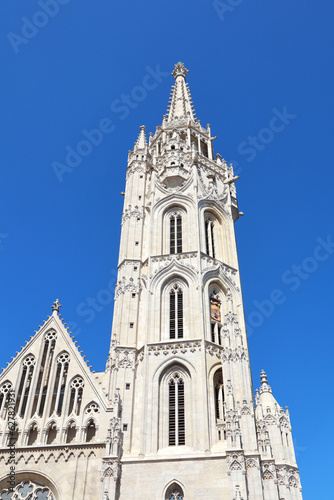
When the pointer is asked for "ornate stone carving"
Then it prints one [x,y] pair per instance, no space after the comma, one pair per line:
[174,348]
[125,285]
[129,213]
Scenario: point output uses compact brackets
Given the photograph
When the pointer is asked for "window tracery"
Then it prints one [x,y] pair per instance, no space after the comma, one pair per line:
[25,383]
[76,388]
[5,388]
[174,492]
[27,490]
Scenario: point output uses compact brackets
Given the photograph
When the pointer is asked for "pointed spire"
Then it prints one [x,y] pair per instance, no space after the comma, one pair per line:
[141,142]
[180,105]
[55,306]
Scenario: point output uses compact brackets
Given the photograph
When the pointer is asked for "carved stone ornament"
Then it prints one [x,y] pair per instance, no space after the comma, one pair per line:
[111,468]
[174,348]
[125,285]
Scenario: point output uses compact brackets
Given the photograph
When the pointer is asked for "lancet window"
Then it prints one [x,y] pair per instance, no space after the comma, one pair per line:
[176,420]
[174,492]
[219,395]
[44,373]
[25,384]
[175,233]
[176,312]
[62,364]
[5,389]
[215,318]
[52,433]
[77,385]
[33,433]
[90,431]
[71,432]
[210,237]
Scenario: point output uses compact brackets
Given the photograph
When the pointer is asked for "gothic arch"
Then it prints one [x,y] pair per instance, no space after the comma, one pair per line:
[175,372]
[214,227]
[175,225]
[214,300]
[171,487]
[163,284]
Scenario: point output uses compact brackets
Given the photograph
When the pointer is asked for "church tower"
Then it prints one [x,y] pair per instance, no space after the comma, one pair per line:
[173,417]
[179,358]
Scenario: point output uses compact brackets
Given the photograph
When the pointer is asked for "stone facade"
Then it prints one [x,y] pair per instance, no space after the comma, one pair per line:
[173,416]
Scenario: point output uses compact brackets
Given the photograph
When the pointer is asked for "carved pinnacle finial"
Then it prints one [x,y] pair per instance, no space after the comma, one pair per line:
[264,380]
[55,306]
[180,70]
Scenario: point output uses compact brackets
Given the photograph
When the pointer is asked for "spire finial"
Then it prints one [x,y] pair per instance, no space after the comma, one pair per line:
[264,380]
[180,70]
[55,306]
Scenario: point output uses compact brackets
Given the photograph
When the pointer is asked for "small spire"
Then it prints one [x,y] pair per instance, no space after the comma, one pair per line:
[141,141]
[55,306]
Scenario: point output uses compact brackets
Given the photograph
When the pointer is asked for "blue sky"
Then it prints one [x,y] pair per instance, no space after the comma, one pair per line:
[261,74]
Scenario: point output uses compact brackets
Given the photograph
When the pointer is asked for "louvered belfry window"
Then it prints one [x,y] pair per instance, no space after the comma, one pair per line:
[176,313]
[175,237]
[176,431]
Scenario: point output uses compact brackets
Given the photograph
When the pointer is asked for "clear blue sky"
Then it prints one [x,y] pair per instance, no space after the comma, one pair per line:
[248,64]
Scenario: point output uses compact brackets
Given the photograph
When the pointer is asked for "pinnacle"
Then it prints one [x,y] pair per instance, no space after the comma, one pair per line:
[141,141]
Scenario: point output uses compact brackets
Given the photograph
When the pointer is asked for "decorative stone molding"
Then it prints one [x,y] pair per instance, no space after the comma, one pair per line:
[111,467]
[226,353]
[135,166]
[235,462]
[128,213]
[124,286]
[123,357]
[252,463]
[174,348]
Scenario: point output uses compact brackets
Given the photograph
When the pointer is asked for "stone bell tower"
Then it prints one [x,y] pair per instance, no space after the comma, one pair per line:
[185,423]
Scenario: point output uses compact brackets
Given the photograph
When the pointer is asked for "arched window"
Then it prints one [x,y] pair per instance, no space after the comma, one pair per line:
[219,395]
[33,433]
[176,312]
[71,432]
[60,383]
[25,383]
[215,317]
[176,420]
[52,433]
[174,492]
[77,386]
[44,373]
[5,389]
[210,237]
[90,431]
[175,233]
